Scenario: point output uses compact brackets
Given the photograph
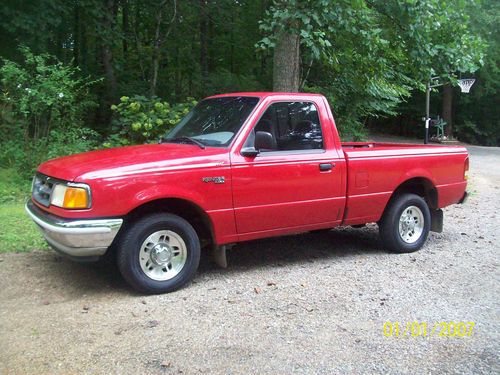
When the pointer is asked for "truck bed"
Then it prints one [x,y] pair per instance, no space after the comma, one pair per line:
[375,170]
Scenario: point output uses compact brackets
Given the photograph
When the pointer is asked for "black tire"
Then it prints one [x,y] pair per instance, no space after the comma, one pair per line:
[129,247]
[389,224]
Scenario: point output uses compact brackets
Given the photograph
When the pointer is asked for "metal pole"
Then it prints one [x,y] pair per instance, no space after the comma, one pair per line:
[427,112]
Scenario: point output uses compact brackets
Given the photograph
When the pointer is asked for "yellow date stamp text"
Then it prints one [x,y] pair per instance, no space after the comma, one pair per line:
[425,329]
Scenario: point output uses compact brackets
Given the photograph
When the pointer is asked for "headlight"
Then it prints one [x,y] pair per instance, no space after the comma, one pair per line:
[71,196]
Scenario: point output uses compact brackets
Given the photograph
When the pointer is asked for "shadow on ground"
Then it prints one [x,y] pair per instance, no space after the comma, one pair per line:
[85,279]
[297,249]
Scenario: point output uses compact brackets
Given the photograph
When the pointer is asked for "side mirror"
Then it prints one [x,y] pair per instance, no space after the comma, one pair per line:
[264,141]
[249,152]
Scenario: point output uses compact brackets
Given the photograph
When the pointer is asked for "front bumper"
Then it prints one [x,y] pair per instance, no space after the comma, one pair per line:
[75,238]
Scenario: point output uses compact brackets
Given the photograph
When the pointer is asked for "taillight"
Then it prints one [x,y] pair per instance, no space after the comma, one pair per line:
[466,168]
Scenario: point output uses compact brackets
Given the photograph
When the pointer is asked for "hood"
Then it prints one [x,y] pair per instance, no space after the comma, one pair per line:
[131,160]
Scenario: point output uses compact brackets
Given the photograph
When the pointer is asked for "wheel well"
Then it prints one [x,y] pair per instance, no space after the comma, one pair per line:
[420,186]
[180,207]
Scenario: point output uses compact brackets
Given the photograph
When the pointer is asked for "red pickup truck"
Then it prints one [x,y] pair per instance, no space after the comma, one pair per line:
[239,167]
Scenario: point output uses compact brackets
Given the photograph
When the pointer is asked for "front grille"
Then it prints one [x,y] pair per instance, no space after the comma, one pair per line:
[42,189]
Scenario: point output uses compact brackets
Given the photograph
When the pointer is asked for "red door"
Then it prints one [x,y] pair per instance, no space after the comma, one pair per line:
[296,185]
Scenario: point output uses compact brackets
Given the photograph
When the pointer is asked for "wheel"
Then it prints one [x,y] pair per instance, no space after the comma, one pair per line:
[405,225]
[159,253]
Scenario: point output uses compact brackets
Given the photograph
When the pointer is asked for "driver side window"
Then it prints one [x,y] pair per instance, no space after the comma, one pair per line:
[290,126]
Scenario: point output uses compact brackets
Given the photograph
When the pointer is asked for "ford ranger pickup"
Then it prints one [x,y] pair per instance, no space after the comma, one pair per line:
[239,167]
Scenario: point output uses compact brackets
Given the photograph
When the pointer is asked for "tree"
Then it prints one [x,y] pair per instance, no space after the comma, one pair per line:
[108,19]
[159,39]
[286,63]
[440,42]
[478,113]
[368,56]
[447,109]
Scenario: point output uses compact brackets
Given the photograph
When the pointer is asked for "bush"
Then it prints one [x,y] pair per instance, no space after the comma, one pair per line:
[13,188]
[222,80]
[140,119]
[44,94]
[469,132]
[42,106]
[350,129]
[72,141]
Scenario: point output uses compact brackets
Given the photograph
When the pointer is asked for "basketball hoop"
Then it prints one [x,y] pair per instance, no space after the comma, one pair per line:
[466,84]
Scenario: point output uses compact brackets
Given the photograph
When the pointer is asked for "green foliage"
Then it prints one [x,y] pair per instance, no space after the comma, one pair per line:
[43,93]
[140,119]
[72,140]
[43,105]
[13,188]
[367,56]
[478,113]
[26,156]
[223,80]
[434,35]
[469,132]
[350,129]
[355,64]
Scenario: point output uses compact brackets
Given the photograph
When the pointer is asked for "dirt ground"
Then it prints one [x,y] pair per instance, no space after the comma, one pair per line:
[311,303]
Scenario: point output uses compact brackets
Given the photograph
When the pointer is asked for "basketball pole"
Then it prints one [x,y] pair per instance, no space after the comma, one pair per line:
[427,112]
[465,85]
[430,86]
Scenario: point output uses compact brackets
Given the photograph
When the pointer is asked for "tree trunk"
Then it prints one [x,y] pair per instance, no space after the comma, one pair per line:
[203,44]
[447,114]
[210,40]
[155,63]
[157,44]
[76,35]
[125,28]
[231,41]
[263,56]
[106,52]
[83,52]
[178,77]
[286,69]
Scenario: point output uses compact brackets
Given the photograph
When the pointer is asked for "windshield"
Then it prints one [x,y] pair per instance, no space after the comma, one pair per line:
[214,122]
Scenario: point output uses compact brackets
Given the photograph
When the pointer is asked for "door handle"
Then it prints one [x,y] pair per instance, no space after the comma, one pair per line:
[325,167]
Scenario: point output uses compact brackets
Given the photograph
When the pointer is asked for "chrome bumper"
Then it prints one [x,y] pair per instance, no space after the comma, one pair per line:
[75,238]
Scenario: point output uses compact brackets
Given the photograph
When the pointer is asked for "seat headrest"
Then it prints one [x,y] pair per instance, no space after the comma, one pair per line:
[304,126]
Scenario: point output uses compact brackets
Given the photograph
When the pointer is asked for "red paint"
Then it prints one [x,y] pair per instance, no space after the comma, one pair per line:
[267,195]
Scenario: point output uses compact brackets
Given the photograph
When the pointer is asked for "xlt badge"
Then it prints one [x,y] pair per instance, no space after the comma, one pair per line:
[215,180]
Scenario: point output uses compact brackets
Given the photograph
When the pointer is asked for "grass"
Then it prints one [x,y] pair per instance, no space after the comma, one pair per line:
[18,233]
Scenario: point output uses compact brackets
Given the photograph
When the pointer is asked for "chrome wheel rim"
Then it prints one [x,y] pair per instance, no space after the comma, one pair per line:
[163,255]
[411,224]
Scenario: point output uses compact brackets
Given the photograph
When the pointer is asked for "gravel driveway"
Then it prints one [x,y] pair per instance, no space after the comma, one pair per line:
[311,303]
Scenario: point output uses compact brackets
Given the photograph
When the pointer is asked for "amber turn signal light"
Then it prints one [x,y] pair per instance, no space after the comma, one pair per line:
[70,197]
[75,198]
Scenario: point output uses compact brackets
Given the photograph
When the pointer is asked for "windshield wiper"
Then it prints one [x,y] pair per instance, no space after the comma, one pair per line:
[184,139]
